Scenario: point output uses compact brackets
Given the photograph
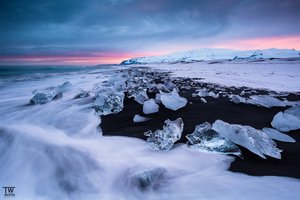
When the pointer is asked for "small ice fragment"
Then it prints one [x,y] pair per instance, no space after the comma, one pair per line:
[164,139]
[237,99]
[265,101]
[206,139]
[202,92]
[288,120]
[172,100]
[213,95]
[203,100]
[108,101]
[150,107]
[82,94]
[138,118]
[276,135]
[149,179]
[254,140]
[141,97]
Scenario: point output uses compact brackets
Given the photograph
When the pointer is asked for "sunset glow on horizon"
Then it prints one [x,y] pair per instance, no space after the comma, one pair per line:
[95,32]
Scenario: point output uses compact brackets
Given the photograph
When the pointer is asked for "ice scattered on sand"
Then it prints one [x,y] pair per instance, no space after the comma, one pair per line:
[288,120]
[108,101]
[254,140]
[204,138]
[150,107]
[138,118]
[276,135]
[164,139]
[49,94]
[172,100]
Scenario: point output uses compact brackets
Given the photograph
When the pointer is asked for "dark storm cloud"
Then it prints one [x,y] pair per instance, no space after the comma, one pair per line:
[72,27]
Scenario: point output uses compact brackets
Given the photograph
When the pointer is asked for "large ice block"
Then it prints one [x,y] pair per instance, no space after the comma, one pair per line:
[172,100]
[254,140]
[288,120]
[108,101]
[164,139]
[204,138]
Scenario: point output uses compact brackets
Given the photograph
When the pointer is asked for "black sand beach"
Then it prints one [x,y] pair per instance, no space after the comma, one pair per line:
[196,112]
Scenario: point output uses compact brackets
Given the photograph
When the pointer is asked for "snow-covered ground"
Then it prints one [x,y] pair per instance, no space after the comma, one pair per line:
[277,75]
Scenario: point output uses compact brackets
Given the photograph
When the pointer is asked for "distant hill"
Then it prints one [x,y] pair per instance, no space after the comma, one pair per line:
[208,54]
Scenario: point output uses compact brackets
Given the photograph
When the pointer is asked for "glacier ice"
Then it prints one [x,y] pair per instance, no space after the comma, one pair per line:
[49,94]
[276,135]
[82,94]
[203,100]
[172,100]
[205,138]
[288,120]
[164,139]
[237,99]
[254,140]
[204,92]
[42,97]
[108,101]
[150,106]
[265,101]
[138,118]
[149,179]
[140,97]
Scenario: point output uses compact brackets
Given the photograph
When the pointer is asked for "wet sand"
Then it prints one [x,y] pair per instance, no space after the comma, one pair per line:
[196,112]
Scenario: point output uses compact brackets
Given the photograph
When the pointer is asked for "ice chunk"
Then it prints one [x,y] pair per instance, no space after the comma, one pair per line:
[138,118]
[254,140]
[276,135]
[149,179]
[165,139]
[82,94]
[157,98]
[108,101]
[288,120]
[42,97]
[172,100]
[140,97]
[205,138]
[49,94]
[213,95]
[237,99]
[205,93]
[265,101]
[150,107]
[203,100]
[66,86]
[202,92]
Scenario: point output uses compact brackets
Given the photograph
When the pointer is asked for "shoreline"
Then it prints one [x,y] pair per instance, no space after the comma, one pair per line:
[196,112]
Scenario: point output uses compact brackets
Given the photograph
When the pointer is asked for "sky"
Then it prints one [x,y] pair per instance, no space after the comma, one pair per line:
[89,32]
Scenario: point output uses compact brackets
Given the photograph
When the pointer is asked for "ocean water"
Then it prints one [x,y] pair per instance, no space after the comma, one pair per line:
[57,151]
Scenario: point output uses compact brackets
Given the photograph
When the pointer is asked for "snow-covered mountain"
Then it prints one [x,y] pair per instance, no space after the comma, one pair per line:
[214,54]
